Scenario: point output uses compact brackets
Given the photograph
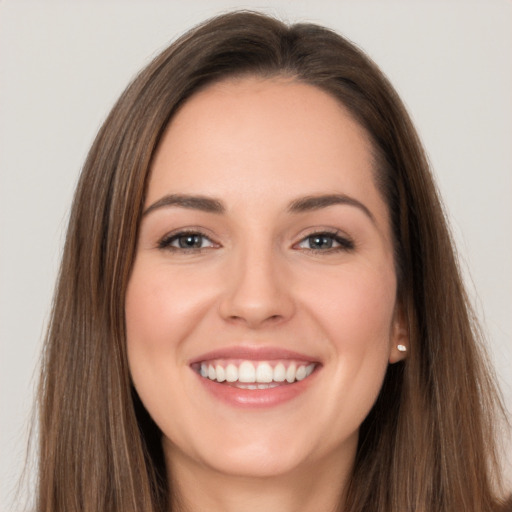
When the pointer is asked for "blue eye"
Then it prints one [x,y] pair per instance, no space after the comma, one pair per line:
[186,241]
[325,242]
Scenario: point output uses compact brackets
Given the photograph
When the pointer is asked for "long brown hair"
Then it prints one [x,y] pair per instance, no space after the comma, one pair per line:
[428,444]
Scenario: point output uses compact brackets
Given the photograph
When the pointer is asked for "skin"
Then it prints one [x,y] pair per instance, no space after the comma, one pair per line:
[257,145]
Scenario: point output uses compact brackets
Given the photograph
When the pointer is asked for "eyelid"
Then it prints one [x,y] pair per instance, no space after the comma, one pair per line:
[165,241]
[346,243]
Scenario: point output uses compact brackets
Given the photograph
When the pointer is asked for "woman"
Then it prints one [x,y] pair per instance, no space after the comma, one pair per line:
[259,306]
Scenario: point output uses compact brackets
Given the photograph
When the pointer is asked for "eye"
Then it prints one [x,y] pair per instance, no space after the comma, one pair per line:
[186,241]
[326,241]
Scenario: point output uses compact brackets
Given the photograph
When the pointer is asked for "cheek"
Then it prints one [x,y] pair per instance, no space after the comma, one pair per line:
[154,322]
[161,307]
[147,318]
[356,307]
[161,310]
[355,311]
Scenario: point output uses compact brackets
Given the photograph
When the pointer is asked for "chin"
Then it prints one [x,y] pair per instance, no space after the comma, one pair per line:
[262,457]
[257,464]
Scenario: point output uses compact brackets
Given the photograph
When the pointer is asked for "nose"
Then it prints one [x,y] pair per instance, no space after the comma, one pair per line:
[257,291]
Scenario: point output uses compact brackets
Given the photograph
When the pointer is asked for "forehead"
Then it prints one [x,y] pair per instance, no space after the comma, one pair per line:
[287,109]
[252,136]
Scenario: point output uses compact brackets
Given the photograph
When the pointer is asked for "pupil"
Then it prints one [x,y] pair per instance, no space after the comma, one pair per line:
[320,242]
[190,241]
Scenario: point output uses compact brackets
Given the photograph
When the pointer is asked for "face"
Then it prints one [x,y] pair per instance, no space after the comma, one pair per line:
[261,312]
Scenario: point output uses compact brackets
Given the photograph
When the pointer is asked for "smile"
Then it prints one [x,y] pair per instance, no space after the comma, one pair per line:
[255,374]
[255,377]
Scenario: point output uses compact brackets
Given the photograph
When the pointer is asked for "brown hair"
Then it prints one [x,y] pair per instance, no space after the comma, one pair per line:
[428,442]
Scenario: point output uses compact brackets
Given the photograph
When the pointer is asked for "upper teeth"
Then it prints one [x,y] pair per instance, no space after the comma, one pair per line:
[248,371]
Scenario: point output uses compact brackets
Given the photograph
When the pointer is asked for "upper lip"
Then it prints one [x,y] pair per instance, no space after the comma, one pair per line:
[253,354]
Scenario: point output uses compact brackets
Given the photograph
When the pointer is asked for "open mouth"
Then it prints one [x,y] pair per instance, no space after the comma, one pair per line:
[253,375]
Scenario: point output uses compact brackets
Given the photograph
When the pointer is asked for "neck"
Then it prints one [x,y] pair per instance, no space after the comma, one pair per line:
[309,489]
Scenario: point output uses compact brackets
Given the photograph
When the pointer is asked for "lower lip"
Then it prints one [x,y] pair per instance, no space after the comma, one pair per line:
[254,398]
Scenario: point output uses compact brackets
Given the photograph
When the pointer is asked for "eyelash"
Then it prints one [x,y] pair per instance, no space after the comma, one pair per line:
[344,243]
[166,241]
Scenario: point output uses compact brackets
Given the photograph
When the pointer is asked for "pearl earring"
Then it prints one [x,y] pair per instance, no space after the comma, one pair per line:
[402,348]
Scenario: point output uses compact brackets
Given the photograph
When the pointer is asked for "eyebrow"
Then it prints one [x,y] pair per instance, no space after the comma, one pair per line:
[205,204]
[212,205]
[310,203]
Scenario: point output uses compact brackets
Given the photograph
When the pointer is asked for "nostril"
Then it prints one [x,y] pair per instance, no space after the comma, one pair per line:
[255,321]
[255,305]
[270,319]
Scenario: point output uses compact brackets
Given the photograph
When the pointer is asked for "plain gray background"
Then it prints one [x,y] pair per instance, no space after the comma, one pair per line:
[63,64]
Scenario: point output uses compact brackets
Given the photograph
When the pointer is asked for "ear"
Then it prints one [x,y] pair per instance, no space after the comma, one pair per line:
[399,336]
